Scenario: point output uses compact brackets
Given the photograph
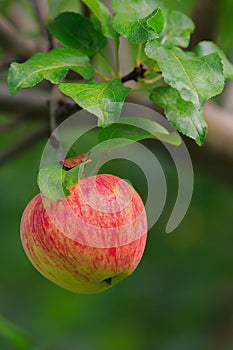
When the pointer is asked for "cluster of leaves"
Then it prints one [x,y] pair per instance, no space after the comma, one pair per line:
[181,81]
[55,180]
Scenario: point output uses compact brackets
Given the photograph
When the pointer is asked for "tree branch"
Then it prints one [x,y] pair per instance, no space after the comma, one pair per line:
[30,105]
[34,104]
[137,72]
[13,42]
[54,107]
[204,15]
[24,143]
[40,11]
[218,147]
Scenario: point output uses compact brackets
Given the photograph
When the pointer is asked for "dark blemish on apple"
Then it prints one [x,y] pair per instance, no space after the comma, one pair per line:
[108,281]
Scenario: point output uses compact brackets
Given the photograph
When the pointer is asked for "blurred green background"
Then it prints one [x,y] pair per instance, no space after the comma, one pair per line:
[181,295]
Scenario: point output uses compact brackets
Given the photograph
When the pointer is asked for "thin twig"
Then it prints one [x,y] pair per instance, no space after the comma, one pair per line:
[118,67]
[41,13]
[153,80]
[137,72]
[34,103]
[24,143]
[12,41]
[138,60]
[54,140]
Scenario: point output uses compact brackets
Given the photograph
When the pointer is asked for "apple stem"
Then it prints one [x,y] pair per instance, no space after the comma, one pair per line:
[54,138]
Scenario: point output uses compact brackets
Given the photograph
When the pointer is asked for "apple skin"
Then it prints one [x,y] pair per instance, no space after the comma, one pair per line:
[90,240]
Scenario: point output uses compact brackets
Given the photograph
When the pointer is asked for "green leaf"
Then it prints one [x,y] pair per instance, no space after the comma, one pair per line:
[105,100]
[151,48]
[137,8]
[57,6]
[156,22]
[136,129]
[197,79]
[207,47]
[101,12]
[137,29]
[52,66]
[50,181]
[54,182]
[73,175]
[77,32]
[183,116]
[177,29]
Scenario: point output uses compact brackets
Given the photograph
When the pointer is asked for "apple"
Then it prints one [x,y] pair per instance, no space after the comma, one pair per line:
[91,239]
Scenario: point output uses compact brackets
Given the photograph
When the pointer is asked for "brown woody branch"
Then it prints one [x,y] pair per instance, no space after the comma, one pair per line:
[205,16]
[40,10]
[137,72]
[34,104]
[24,143]
[29,105]
[12,41]
[215,157]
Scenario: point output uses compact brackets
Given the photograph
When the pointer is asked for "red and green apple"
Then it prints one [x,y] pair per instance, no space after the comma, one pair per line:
[91,239]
